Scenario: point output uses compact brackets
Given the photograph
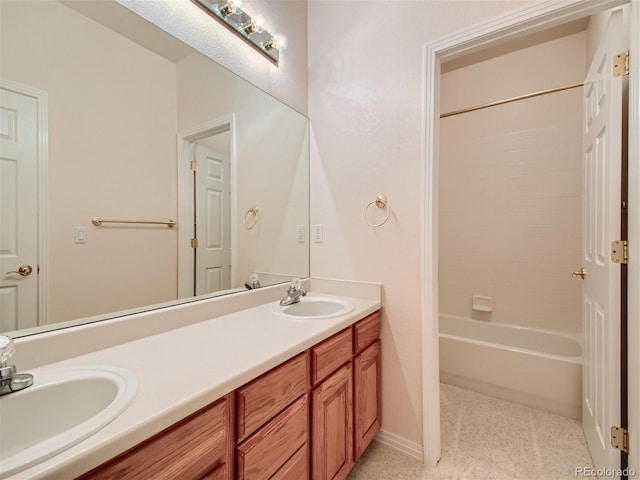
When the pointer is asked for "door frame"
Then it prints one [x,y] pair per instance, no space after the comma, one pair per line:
[42,101]
[186,140]
[503,29]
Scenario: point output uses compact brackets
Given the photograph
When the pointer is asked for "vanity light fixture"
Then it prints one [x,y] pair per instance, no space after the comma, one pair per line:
[251,29]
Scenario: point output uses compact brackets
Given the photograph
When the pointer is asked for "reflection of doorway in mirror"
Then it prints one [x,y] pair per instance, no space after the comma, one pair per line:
[212,180]
[23,134]
[206,193]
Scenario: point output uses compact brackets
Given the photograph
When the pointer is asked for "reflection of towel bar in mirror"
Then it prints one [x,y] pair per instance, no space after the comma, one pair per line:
[97,221]
[251,221]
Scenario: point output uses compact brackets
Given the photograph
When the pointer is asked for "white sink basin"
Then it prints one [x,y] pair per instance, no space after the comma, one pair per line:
[309,308]
[60,409]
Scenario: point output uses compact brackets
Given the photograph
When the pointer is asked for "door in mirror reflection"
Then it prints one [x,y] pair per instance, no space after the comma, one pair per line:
[212,178]
[18,210]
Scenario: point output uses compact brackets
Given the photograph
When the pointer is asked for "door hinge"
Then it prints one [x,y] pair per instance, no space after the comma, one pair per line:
[620,251]
[194,243]
[621,64]
[194,165]
[620,439]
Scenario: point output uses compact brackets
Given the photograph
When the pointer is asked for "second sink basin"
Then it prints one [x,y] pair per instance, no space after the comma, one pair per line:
[60,409]
[312,307]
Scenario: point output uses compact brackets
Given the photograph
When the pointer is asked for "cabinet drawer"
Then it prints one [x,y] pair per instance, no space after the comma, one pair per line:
[189,449]
[220,473]
[267,450]
[328,356]
[258,401]
[296,468]
[365,332]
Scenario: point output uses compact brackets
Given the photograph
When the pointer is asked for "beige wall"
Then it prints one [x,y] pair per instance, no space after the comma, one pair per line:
[510,207]
[118,161]
[365,104]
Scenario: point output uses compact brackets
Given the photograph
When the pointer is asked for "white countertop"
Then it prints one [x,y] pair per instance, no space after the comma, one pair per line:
[180,371]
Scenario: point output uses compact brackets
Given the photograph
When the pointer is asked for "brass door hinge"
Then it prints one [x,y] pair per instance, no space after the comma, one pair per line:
[194,243]
[621,64]
[620,251]
[620,439]
[194,165]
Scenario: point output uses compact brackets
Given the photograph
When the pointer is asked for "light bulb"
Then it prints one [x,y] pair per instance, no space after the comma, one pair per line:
[276,42]
[229,8]
[255,25]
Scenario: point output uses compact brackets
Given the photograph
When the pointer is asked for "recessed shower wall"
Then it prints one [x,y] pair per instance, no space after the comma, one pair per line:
[510,183]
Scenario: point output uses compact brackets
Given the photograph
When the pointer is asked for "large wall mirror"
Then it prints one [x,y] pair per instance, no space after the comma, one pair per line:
[105,115]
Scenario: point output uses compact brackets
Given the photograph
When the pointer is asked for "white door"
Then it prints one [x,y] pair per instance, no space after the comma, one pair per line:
[601,292]
[213,214]
[18,210]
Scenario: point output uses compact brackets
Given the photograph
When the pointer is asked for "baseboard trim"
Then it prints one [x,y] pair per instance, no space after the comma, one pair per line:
[401,444]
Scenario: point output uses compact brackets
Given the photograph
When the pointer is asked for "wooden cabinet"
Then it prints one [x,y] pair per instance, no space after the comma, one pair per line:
[273,423]
[332,426]
[346,400]
[329,355]
[271,447]
[367,385]
[199,446]
[296,468]
[366,397]
[263,398]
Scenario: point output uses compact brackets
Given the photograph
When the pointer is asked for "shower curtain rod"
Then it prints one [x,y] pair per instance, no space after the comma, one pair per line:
[512,99]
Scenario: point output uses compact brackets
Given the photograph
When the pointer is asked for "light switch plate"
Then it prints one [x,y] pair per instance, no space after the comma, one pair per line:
[81,234]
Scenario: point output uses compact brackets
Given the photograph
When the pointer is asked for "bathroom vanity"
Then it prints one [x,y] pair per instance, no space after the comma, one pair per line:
[249,394]
[319,409]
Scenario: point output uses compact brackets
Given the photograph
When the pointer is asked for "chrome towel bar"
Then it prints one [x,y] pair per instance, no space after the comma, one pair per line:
[97,221]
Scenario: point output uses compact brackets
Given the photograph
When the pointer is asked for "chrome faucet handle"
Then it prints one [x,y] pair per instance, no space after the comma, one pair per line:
[10,381]
[296,284]
[7,349]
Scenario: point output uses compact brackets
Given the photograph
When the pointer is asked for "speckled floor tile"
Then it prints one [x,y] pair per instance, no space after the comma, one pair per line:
[487,438]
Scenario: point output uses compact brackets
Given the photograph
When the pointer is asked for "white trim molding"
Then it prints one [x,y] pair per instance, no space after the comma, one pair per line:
[509,27]
[633,270]
[399,443]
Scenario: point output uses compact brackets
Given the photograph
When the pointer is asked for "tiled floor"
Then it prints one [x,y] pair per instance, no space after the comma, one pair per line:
[487,438]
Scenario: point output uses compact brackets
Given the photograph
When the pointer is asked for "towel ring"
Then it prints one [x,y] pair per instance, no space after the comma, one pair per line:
[380,202]
[248,224]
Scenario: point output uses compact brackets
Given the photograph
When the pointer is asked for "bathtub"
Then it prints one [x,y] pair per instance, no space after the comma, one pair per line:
[532,367]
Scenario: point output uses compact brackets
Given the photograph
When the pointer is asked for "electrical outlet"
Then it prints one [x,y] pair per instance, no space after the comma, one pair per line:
[300,233]
[317,233]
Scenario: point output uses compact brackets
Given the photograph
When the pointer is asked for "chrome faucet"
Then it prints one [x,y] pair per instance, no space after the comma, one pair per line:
[10,381]
[294,293]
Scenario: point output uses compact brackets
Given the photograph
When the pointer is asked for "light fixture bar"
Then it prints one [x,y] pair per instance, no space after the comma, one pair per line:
[231,15]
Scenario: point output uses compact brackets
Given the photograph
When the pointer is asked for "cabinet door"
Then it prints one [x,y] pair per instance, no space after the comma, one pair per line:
[367,397]
[332,426]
